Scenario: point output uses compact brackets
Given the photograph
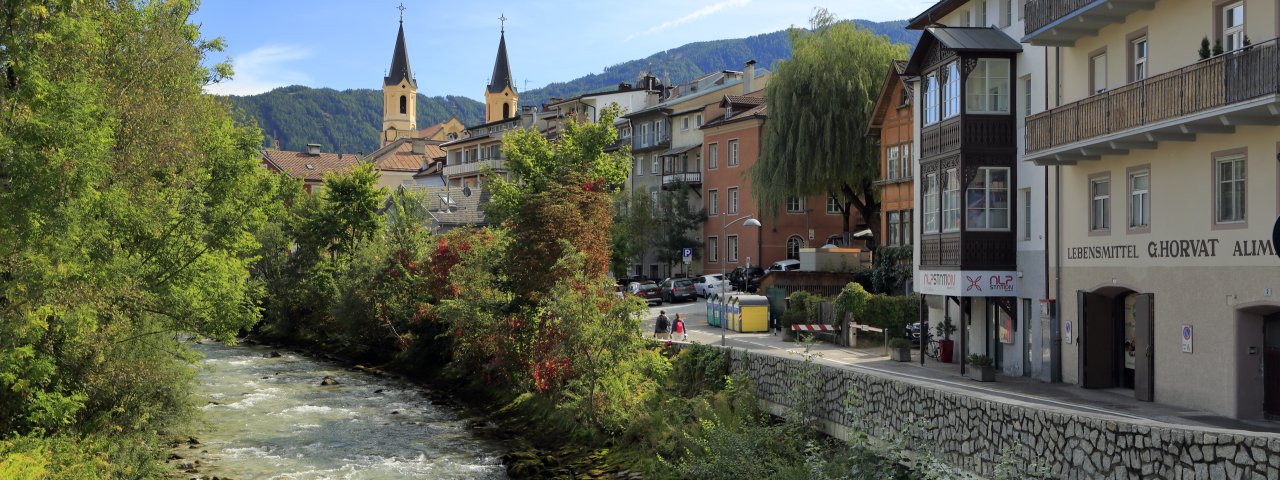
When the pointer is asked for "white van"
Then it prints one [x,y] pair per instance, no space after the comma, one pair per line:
[784,266]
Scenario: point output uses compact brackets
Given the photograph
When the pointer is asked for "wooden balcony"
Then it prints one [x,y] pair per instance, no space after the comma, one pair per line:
[1059,23]
[1211,96]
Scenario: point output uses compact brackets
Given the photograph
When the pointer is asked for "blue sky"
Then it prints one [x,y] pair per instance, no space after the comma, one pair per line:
[347,44]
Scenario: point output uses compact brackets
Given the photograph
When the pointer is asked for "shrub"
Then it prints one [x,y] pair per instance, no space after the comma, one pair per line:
[892,312]
[899,342]
[979,360]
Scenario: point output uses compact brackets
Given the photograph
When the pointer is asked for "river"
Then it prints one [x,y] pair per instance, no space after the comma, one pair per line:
[270,418]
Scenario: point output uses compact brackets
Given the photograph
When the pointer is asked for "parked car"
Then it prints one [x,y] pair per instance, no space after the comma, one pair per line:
[649,291]
[703,283]
[784,266]
[682,289]
[746,279]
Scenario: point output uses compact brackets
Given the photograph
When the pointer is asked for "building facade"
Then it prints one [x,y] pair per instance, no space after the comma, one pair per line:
[1166,194]
[891,125]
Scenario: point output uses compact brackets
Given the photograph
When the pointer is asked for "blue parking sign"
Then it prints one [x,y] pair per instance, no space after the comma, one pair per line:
[688,252]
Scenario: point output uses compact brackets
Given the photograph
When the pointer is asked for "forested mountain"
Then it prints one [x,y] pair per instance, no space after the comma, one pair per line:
[344,121]
[348,121]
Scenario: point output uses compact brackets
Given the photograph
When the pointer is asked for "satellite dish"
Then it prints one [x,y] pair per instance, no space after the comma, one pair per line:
[466,191]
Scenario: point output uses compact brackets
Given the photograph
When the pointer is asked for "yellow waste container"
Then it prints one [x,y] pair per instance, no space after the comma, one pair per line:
[750,313]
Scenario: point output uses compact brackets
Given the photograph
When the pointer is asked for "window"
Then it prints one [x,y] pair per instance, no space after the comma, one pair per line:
[1098,72]
[713,202]
[733,201]
[987,199]
[930,203]
[832,205]
[1026,95]
[639,168]
[1100,206]
[733,153]
[713,249]
[713,156]
[836,240]
[1139,59]
[988,86]
[653,197]
[794,243]
[907,239]
[698,123]
[1233,26]
[662,131]
[905,154]
[404,104]
[731,248]
[1007,8]
[891,155]
[951,90]
[951,200]
[1229,186]
[684,124]
[1026,213]
[795,205]
[894,235]
[1140,199]
[929,97]
[653,167]
[982,14]
[646,137]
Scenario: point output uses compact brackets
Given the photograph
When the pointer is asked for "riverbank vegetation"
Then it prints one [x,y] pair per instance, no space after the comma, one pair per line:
[129,205]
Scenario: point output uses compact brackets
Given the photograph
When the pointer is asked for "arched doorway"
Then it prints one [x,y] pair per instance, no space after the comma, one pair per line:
[1117,345]
[1257,360]
[794,243]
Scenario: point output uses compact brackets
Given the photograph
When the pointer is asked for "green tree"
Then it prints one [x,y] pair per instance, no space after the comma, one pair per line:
[678,220]
[633,232]
[820,102]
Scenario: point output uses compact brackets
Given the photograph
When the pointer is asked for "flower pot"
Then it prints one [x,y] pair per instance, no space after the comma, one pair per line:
[945,349]
[981,374]
[900,354]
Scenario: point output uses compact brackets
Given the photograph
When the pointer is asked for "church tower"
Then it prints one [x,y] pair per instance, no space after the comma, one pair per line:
[399,94]
[500,98]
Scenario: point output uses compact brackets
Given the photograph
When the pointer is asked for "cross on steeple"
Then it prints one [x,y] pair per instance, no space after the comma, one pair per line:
[401,8]
[503,23]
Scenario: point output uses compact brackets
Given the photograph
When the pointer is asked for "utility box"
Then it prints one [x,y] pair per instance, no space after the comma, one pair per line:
[749,313]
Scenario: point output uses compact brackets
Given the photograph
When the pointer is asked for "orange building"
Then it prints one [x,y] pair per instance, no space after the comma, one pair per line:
[891,124]
[731,145]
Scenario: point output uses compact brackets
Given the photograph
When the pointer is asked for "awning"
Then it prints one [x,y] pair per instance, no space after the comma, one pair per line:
[679,150]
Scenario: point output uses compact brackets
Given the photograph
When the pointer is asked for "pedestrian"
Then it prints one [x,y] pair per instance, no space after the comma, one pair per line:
[678,328]
[662,328]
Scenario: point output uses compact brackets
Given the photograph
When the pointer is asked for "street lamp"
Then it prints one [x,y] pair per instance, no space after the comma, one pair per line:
[724,277]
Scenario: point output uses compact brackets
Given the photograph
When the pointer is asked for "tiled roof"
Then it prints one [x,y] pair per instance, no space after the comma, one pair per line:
[309,167]
[745,100]
[430,131]
[398,156]
[466,209]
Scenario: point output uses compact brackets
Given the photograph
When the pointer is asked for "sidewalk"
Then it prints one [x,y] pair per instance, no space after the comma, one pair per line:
[1117,403]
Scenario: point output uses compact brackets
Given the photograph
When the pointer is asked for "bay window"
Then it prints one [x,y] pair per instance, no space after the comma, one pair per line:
[987,89]
[987,199]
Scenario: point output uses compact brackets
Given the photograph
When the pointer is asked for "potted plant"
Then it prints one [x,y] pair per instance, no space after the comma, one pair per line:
[982,369]
[899,349]
[946,346]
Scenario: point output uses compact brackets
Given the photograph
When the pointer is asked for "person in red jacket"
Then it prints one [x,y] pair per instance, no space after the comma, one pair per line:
[678,328]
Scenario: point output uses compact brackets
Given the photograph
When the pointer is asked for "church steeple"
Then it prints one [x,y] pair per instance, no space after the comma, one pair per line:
[399,93]
[500,96]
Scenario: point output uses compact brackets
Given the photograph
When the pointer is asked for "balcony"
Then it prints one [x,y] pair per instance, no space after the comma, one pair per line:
[670,181]
[474,167]
[1059,23]
[1211,96]
[641,144]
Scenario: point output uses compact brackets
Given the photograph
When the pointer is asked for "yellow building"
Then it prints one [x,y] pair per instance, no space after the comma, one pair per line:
[500,98]
[399,95]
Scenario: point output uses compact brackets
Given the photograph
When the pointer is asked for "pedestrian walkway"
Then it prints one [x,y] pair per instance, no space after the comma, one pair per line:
[1068,398]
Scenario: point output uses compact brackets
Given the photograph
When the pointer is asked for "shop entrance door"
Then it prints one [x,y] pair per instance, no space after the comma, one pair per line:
[1271,367]
[1099,343]
[1144,346]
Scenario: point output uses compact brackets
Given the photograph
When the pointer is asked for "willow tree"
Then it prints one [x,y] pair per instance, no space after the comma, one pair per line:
[820,103]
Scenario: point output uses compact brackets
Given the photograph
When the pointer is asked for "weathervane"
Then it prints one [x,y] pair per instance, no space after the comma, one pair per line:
[503,23]
[401,8]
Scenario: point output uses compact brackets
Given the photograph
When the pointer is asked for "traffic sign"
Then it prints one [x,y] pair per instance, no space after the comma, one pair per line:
[687,254]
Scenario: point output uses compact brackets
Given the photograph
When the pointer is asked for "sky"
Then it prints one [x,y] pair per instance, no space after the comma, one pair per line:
[344,44]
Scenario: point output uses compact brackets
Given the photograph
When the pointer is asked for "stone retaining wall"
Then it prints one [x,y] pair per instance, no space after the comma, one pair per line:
[973,433]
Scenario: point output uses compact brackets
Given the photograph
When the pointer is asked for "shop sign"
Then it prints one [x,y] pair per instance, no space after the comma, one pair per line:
[1187,337]
[1189,248]
[967,283]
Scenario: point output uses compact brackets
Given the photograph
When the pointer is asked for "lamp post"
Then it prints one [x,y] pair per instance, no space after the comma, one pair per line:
[724,277]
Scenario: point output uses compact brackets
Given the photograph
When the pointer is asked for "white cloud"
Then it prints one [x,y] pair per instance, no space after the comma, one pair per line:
[263,69]
[695,15]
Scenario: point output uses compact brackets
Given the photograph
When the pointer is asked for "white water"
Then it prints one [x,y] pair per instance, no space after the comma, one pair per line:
[270,418]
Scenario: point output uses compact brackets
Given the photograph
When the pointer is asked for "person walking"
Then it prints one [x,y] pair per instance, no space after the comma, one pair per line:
[662,328]
[678,328]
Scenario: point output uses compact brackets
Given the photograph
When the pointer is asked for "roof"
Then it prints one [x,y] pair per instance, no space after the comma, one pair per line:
[431,131]
[744,100]
[886,99]
[398,156]
[934,13]
[962,40]
[400,63]
[501,68]
[466,205]
[758,111]
[309,167]
[679,150]
[665,106]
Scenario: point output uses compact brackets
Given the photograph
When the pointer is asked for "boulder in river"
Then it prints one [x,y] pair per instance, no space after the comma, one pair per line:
[271,354]
[328,381]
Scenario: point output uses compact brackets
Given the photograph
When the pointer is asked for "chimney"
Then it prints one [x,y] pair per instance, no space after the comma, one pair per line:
[419,146]
[313,149]
[748,75]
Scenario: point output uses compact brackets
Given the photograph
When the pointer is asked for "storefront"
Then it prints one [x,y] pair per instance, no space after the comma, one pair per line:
[983,308]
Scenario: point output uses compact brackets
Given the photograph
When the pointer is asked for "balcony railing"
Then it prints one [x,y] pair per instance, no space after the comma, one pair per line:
[640,144]
[1226,79]
[670,180]
[1062,22]
[1040,13]
[473,167]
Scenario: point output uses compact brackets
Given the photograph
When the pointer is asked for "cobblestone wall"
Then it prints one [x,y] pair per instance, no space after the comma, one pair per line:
[973,433]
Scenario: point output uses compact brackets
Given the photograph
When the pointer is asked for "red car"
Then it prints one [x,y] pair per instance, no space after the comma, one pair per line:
[649,291]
